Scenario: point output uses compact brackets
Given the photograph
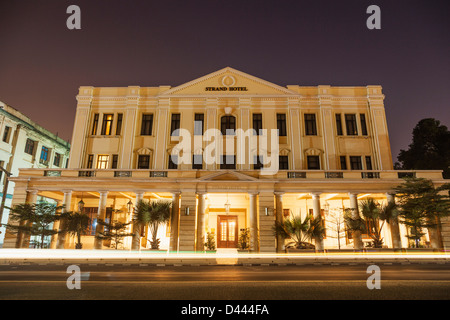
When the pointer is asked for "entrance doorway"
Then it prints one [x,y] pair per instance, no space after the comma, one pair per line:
[227,235]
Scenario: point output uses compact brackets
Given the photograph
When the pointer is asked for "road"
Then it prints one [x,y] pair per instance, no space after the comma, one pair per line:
[290,282]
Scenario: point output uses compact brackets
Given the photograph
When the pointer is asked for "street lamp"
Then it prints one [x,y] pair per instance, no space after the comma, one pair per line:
[129,206]
[5,191]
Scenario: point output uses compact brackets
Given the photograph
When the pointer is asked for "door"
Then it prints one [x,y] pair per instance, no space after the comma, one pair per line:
[227,235]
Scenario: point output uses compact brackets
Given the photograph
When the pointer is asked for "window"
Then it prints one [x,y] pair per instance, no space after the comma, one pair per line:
[147,125]
[362,117]
[198,124]
[57,159]
[283,162]
[343,162]
[355,163]
[95,124]
[173,162]
[29,146]
[119,124]
[310,124]
[313,162]
[350,123]
[6,134]
[228,125]
[175,124]
[90,161]
[258,163]
[44,155]
[228,162]
[115,161]
[102,161]
[144,162]
[257,123]
[339,124]
[368,163]
[107,124]
[281,124]
[197,161]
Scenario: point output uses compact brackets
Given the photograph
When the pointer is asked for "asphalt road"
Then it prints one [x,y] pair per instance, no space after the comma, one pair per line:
[238,283]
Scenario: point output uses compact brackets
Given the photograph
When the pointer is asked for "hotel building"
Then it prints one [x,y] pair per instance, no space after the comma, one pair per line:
[332,150]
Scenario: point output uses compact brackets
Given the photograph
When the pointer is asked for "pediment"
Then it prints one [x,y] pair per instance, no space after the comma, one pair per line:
[228,176]
[228,82]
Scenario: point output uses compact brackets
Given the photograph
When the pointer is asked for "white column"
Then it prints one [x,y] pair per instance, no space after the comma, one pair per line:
[175,220]
[253,221]
[279,218]
[316,214]
[101,214]
[201,221]
[357,239]
[66,203]
[136,239]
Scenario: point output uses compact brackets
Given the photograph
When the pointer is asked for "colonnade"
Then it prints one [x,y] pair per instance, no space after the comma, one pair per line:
[188,228]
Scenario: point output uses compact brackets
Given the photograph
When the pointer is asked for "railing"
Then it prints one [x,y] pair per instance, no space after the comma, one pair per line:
[334,175]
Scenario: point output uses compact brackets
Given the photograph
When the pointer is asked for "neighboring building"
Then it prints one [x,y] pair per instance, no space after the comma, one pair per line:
[332,149]
[25,144]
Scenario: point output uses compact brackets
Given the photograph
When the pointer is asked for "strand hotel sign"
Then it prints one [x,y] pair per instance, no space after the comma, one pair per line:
[228,83]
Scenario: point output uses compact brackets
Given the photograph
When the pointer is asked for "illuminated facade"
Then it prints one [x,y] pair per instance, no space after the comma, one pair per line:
[332,150]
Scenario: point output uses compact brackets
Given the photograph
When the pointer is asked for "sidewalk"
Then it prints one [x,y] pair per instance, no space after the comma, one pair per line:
[221,257]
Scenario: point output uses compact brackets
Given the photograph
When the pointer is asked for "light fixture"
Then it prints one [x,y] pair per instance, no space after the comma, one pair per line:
[186,211]
[129,206]
[227,206]
[81,204]
[266,210]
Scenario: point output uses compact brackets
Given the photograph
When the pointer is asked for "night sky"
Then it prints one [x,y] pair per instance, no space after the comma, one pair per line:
[152,43]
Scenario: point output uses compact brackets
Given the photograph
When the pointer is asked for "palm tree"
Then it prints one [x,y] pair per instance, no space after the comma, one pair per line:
[76,224]
[159,214]
[140,219]
[300,232]
[35,219]
[370,210]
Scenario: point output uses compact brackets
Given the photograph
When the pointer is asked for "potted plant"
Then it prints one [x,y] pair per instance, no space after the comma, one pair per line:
[301,232]
[210,243]
[244,240]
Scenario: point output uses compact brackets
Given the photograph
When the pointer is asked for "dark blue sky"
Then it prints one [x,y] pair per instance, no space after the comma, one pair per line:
[150,43]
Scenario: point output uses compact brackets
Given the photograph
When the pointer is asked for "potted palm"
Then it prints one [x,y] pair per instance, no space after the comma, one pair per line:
[210,243]
[159,214]
[76,224]
[301,232]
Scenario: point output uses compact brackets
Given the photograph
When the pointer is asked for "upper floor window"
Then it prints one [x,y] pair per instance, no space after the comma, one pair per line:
[102,161]
[147,125]
[350,123]
[6,134]
[310,124]
[175,124]
[368,163]
[313,162]
[57,160]
[355,163]
[90,161]
[144,162]
[197,161]
[119,124]
[115,161]
[198,124]
[362,117]
[29,146]
[338,124]
[95,125]
[228,125]
[44,155]
[283,162]
[228,162]
[173,162]
[257,123]
[343,160]
[281,124]
[107,124]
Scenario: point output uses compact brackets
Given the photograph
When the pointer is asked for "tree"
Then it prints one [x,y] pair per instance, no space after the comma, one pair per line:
[140,220]
[35,219]
[300,232]
[336,224]
[115,231]
[159,214]
[421,205]
[429,150]
[356,225]
[76,224]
